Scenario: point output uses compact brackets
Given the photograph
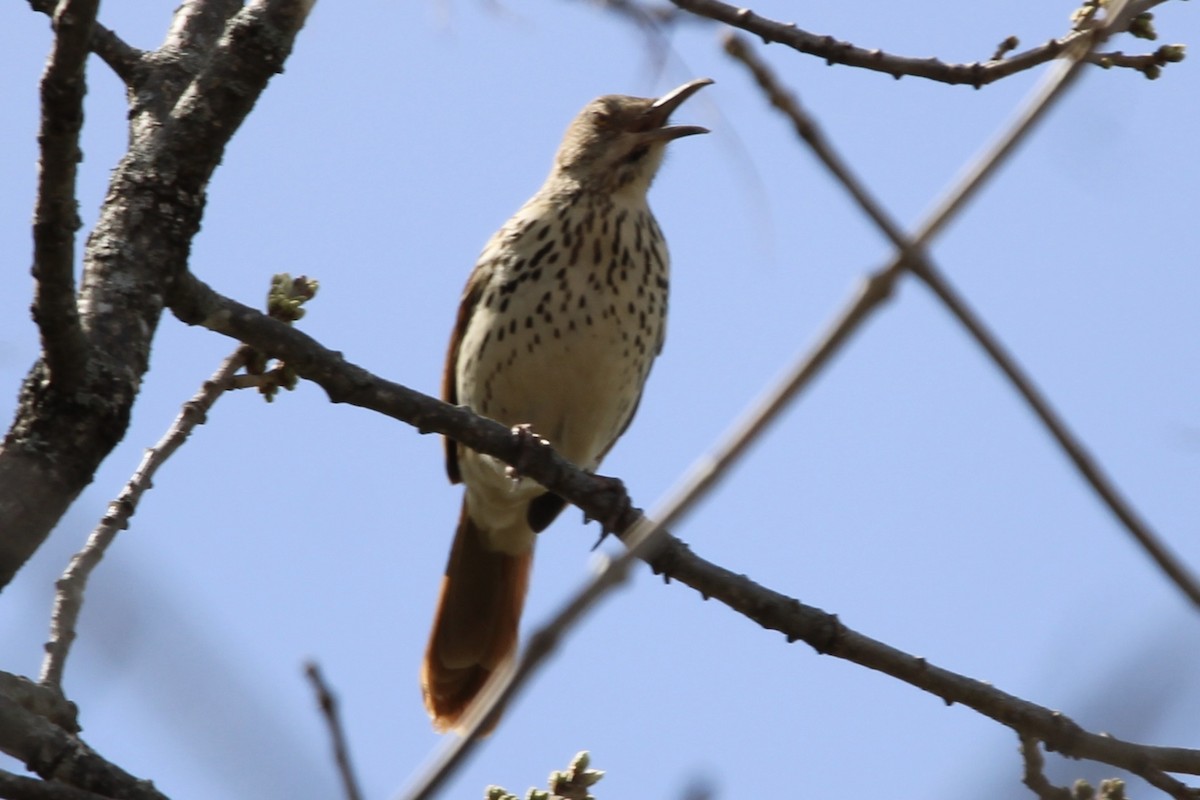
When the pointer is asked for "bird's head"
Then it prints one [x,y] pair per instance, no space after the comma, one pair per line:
[616,144]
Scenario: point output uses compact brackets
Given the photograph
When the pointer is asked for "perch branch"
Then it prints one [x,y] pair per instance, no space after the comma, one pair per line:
[196,303]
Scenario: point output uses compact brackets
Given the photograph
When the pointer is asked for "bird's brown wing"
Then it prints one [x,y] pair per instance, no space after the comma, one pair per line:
[470,298]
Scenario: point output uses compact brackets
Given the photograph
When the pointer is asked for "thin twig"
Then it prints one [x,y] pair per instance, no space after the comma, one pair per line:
[834,51]
[1086,464]
[915,257]
[69,594]
[56,214]
[1034,775]
[1165,783]
[333,721]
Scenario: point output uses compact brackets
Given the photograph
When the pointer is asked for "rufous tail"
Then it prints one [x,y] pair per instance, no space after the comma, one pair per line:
[475,625]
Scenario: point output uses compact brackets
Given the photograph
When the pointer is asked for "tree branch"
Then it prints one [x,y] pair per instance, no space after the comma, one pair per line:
[196,303]
[70,587]
[44,702]
[20,787]
[55,755]
[917,260]
[140,244]
[976,74]
[56,210]
[826,634]
[337,734]
[121,58]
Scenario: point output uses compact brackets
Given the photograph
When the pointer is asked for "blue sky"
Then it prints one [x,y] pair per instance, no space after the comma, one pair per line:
[909,491]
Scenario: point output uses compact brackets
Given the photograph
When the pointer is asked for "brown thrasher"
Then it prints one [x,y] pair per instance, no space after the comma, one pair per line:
[559,324]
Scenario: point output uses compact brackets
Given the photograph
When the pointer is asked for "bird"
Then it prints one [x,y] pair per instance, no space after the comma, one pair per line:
[557,329]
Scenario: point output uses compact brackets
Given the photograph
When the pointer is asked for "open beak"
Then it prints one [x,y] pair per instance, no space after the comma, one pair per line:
[659,114]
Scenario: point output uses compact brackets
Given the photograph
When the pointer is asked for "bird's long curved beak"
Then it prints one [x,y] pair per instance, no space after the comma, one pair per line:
[660,113]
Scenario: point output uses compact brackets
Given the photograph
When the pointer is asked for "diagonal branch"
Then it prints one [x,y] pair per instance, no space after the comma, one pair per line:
[919,263]
[975,74]
[1085,463]
[70,587]
[56,212]
[337,732]
[826,634]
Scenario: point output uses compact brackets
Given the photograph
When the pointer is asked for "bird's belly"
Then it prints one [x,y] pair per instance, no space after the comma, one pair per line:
[575,383]
[572,316]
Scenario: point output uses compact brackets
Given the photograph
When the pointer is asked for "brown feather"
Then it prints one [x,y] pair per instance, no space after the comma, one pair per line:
[475,626]
[466,307]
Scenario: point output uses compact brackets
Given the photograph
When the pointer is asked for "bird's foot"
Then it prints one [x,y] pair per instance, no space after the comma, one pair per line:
[617,504]
[528,443]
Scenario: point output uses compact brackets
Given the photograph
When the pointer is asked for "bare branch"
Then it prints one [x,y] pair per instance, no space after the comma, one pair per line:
[919,263]
[44,702]
[828,636]
[198,24]
[70,587]
[329,710]
[1149,64]
[1162,781]
[21,787]
[56,212]
[975,74]
[121,58]
[55,755]
[1085,463]
[140,244]
[1034,776]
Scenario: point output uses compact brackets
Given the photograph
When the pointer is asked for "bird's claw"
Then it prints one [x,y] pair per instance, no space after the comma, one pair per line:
[619,503]
[527,443]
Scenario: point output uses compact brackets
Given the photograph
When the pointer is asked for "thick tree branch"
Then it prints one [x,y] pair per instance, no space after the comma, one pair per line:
[20,787]
[119,56]
[44,702]
[56,211]
[975,74]
[140,244]
[55,755]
